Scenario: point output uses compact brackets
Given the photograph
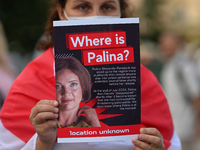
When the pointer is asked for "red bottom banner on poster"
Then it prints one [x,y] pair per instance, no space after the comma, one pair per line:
[97,134]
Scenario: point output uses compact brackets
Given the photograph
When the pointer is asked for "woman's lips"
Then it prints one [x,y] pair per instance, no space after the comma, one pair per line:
[66,100]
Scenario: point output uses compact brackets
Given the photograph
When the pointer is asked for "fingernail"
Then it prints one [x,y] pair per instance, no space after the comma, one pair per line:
[56,115]
[55,103]
[142,130]
[134,141]
[56,110]
[141,136]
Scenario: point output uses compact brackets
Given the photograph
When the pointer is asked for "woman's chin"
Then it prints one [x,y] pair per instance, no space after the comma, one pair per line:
[71,108]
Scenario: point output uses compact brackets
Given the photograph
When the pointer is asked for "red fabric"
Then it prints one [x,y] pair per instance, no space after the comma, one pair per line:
[154,107]
[37,82]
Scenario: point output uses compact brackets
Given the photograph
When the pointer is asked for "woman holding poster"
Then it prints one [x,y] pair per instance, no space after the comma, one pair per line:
[33,94]
[73,87]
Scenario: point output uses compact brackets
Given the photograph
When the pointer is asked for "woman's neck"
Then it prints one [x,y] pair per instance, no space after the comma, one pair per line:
[67,117]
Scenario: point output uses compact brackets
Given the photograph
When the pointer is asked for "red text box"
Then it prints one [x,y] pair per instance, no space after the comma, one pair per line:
[96,40]
[98,131]
[108,56]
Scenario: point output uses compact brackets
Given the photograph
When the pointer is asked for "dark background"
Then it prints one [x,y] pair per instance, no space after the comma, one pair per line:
[23,22]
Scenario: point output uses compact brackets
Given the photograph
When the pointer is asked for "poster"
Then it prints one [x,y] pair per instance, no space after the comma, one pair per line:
[109,50]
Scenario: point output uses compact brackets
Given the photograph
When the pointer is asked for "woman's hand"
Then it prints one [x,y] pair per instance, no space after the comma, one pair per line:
[91,116]
[44,119]
[148,139]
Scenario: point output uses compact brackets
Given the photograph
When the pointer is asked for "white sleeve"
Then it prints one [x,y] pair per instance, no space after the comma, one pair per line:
[175,142]
[8,141]
[31,144]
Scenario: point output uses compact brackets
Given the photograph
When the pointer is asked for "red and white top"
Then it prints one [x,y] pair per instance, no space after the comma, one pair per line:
[37,82]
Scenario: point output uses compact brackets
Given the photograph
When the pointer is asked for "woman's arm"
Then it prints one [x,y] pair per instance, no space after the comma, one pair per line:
[44,119]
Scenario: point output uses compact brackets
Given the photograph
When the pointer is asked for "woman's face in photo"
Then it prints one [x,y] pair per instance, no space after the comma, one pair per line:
[68,90]
[83,8]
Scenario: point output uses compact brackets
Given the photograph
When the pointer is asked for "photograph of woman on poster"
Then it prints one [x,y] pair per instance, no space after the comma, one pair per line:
[72,87]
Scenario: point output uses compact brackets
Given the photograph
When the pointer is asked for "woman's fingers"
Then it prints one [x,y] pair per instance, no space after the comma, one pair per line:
[152,136]
[42,128]
[84,109]
[44,110]
[44,106]
[91,116]
[153,140]
[44,116]
[140,145]
[151,131]
[44,119]
[149,138]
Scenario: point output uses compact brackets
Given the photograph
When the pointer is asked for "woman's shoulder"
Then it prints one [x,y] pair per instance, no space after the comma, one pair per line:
[147,74]
[150,85]
[84,124]
[46,59]
[148,79]
[40,66]
[81,123]
[37,77]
